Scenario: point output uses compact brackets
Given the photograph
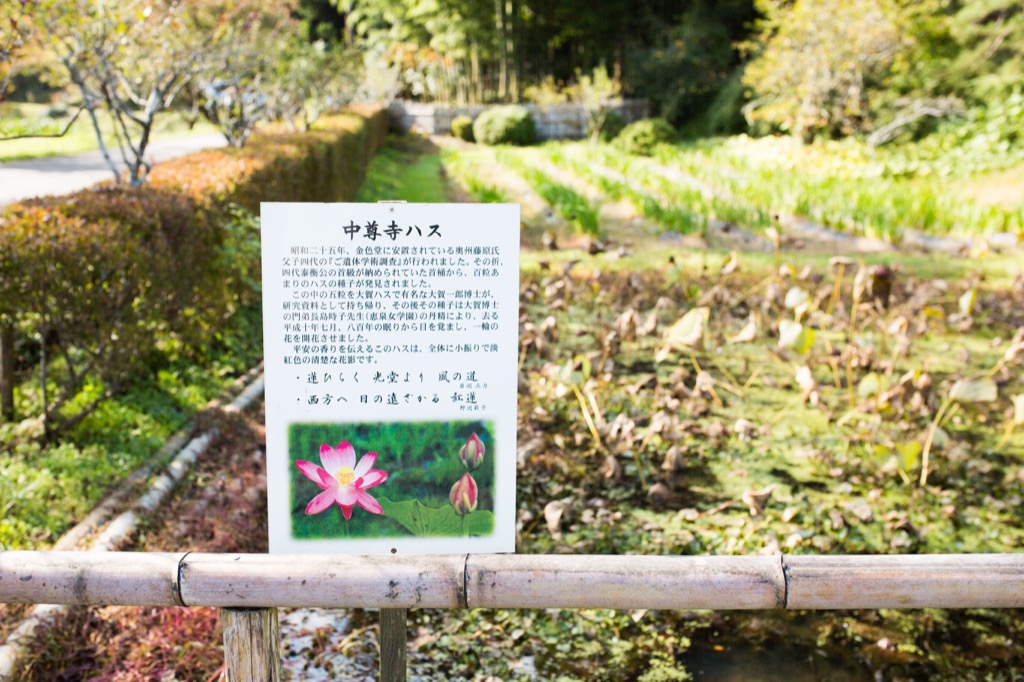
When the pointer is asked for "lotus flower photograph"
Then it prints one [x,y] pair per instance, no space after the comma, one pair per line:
[387,480]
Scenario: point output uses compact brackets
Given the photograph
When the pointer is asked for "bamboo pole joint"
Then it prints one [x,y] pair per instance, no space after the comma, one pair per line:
[513,581]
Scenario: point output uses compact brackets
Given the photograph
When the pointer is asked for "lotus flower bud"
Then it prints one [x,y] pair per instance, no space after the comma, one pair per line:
[472,453]
[464,495]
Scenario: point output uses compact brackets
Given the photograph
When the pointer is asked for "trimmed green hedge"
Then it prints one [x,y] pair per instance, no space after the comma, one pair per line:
[324,164]
[640,138]
[510,124]
[106,275]
[462,128]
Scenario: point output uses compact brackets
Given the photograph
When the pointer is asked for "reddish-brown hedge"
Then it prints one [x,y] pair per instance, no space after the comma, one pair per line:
[106,273]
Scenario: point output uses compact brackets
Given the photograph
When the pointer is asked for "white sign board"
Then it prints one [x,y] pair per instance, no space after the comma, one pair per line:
[391,349]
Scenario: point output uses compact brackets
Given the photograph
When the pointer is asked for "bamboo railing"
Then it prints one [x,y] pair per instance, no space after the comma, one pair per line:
[249,587]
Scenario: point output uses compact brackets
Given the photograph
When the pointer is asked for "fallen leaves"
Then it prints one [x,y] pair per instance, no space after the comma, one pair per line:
[757,499]
[795,336]
[974,390]
[686,333]
[745,370]
[748,333]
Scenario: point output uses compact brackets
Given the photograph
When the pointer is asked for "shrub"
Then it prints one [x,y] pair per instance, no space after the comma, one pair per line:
[98,275]
[613,125]
[505,125]
[462,128]
[326,163]
[725,113]
[107,275]
[642,137]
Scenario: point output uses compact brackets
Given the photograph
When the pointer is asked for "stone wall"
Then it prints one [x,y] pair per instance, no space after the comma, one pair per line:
[554,122]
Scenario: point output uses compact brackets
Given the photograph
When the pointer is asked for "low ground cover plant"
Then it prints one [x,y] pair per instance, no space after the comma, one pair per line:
[847,187]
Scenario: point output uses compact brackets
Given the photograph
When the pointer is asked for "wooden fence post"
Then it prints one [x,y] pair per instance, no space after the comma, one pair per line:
[252,649]
[393,645]
[6,372]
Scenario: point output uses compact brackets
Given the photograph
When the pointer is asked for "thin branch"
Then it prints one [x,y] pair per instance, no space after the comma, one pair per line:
[69,422]
[91,108]
[45,135]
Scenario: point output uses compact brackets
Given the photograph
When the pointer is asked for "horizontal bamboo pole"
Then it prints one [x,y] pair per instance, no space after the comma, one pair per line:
[514,581]
[655,582]
[952,581]
[254,580]
[99,578]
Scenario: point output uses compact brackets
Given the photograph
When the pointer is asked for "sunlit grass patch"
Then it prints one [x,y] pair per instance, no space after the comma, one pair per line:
[404,174]
[575,208]
[81,137]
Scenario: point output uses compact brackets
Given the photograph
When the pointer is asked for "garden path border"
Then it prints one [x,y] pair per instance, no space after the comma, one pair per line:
[124,524]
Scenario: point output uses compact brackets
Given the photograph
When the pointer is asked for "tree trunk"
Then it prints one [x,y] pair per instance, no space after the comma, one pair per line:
[515,61]
[7,372]
[499,12]
[476,85]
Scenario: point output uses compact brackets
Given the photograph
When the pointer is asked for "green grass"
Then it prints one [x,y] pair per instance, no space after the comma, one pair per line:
[463,167]
[845,186]
[45,489]
[404,173]
[570,204]
[674,208]
[420,182]
[80,138]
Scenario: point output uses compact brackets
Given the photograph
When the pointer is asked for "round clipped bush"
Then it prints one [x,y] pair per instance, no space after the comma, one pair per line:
[642,137]
[505,125]
[462,128]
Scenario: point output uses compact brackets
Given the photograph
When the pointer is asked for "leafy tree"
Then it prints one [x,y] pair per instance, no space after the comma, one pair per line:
[232,73]
[480,50]
[382,78]
[309,79]
[561,38]
[129,60]
[597,94]
[440,46]
[990,35]
[820,62]
[496,50]
[322,21]
[692,58]
[15,30]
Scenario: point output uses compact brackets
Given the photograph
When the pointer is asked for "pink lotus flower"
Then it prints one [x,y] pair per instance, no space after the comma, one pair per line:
[342,480]
[463,495]
[472,453]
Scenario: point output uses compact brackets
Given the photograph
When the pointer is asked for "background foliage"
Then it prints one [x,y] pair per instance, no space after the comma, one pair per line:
[832,68]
